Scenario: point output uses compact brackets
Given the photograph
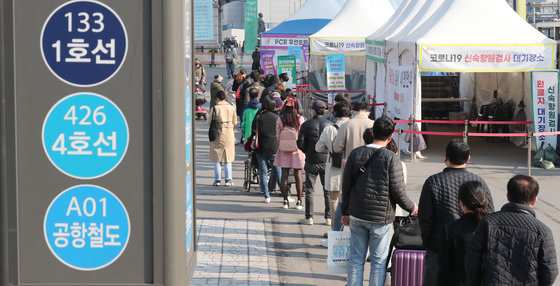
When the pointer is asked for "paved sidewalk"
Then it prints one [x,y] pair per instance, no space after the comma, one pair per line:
[234,252]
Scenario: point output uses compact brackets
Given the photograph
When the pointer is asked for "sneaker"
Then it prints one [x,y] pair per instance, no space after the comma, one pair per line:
[267,201]
[291,200]
[286,204]
[325,243]
[217,183]
[328,222]
[229,183]
[299,205]
[306,221]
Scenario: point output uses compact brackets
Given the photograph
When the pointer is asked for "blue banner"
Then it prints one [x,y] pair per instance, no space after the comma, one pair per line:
[335,72]
[204,24]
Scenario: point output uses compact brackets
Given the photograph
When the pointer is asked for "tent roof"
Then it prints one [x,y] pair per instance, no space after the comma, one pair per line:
[476,22]
[298,27]
[309,18]
[357,19]
[406,11]
[429,7]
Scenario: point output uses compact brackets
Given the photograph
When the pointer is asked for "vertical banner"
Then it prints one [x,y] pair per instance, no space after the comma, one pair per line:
[287,64]
[204,24]
[400,90]
[544,91]
[251,25]
[267,62]
[296,52]
[305,53]
[335,72]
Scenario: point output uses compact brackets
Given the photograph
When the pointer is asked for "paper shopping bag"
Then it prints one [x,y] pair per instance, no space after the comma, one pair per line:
[339,250]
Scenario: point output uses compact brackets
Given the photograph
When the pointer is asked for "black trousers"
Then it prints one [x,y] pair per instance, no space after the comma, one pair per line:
[311,172]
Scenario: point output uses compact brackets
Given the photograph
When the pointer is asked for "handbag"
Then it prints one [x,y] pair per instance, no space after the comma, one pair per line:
[336,158]
[338,252]
[255,141]
[215,126]
[407,233]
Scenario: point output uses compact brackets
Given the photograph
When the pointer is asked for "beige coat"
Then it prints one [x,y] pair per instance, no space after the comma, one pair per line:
[222,149]
[351,134]
[333,175]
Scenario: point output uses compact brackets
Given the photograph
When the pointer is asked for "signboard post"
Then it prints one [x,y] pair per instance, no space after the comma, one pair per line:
[400,90]
[544,92]
[103,106]
[287,64]
[267,62]
[336,78]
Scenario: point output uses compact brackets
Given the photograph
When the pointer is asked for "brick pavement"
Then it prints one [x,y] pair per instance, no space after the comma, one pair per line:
[234,252]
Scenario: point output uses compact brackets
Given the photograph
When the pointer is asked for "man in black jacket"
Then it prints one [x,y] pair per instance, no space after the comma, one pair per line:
[315,162]
[371,185]
[439,203]
[511,246]
[265,126]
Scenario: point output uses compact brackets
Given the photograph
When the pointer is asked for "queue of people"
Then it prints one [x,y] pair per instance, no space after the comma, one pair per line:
[364,183]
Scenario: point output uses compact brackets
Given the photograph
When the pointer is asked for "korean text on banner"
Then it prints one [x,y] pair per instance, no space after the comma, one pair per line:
[347,46]
[400,90]
[204,24]
[282,42]
[267,62]
[487,58]
[251,25]
[296,51]
[335,72]
[339,250]
[375,51]
[287,64]
[544,90]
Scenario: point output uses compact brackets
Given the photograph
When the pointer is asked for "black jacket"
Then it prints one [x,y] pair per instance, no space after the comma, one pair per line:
[511,247]
[451,257]
[309,134]
[439,203]
[268,143]
[371,196]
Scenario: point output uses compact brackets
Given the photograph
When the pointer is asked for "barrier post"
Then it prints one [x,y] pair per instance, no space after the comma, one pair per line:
[385,109]
[411,138]
[466,132]
[530,146]
[399,142]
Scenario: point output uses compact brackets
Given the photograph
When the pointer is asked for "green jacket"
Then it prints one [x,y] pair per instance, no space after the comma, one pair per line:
[247,122]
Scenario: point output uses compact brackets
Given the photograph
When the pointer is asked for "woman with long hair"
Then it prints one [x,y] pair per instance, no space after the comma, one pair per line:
[457,235]
[288,157]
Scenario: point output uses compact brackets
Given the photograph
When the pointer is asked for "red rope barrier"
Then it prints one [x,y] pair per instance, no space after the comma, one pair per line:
[498,134]
[501,122]
[440,121]
[433,133]
[377,104]
[546,133]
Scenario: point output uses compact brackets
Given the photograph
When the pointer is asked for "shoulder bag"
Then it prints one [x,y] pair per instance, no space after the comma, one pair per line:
[215,126]
[336,158]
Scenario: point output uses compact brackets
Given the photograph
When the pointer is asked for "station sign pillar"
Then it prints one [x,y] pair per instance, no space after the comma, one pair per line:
[96,168]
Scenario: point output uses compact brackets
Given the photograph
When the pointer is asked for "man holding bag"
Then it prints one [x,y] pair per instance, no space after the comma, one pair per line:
[371,185]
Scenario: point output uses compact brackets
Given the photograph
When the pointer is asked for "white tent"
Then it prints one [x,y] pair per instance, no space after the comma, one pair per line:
[473,36]
[377,50]
[346,34]
[296,29]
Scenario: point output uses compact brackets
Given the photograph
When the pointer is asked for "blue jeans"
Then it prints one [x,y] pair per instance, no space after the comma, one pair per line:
[337,223]
[218,171]
[375,236]
[264,161]
[229,68]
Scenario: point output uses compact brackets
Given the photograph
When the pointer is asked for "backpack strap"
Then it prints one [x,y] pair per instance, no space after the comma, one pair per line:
[364,167]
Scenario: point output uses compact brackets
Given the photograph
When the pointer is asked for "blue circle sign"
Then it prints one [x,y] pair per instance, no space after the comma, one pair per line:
[86,227]
[85,135]
[84,43]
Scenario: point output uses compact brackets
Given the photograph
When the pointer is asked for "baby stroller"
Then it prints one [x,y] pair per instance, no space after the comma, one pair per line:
[199,100]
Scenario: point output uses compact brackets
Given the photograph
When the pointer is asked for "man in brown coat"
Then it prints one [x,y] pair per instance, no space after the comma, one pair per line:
[350,133]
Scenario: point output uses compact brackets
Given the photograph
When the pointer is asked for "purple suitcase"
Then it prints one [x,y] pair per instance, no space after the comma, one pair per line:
[407,267]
